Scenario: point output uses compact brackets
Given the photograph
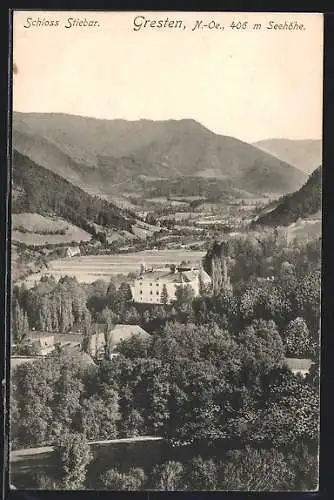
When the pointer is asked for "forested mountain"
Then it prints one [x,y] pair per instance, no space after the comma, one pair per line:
[301,204]
[38,190]
[109,155]
[304,154]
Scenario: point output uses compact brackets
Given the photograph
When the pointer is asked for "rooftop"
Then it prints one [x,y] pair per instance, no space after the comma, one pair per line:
[124,332]
[296,364]
[171,277]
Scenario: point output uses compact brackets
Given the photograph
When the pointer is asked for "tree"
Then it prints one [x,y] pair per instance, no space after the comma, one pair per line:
[297,339]
[87,333]
[262,347]
[32,391]
[111,289]
[131,316]
[203,474]
[74,456]
[289,414]
[125,291]
[308,295]
[287,270]
[132,480]
[45,482]
[256,470]
[168,476]
[110,318]
[305,463]
[67,393]
[164,295]
[184,294]
[20,325]
[133,423]
[99,416]
[135,347]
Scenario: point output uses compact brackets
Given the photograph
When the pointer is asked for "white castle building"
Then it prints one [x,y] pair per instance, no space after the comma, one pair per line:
[148,288]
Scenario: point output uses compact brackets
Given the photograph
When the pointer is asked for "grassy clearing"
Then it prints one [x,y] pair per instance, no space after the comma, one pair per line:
[35,229]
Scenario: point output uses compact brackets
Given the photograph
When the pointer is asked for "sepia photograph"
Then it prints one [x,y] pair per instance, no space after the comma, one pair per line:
[166,230]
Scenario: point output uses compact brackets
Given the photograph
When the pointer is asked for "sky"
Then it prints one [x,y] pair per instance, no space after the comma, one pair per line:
[250,84]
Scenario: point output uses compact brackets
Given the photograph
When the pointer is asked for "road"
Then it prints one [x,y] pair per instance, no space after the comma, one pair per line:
[17,455]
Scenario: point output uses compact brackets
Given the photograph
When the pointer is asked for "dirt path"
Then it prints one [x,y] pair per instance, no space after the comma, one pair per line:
[17,455]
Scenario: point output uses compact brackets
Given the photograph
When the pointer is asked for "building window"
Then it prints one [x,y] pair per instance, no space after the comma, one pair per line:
[150,284]
[141,291]
[157,284]
[151,292]
[157,293]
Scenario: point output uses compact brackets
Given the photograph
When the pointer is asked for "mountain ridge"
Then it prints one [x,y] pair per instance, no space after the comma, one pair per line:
[299,205]
[128,149]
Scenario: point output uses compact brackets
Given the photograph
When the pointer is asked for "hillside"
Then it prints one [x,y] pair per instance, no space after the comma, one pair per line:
[302,204]
[38,190]
[35,230]
[115,156]
[303,154]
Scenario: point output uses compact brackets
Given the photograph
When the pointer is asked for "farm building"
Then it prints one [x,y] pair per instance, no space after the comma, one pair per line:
[74,342]
[125,332]
[148,288]
[116,335]
[72,251]
[299,366]
[44,342]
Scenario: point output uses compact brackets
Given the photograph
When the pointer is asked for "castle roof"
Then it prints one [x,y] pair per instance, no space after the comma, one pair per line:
[178,277]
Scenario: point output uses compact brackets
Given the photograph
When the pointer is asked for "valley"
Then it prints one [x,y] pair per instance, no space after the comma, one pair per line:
[172,272]
[114,188]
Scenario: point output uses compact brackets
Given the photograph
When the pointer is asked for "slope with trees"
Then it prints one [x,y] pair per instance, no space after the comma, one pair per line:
[301,204]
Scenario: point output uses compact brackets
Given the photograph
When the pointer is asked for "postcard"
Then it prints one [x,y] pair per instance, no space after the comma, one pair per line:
[166,250]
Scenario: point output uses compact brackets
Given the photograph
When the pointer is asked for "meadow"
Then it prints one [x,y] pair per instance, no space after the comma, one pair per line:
[38,230]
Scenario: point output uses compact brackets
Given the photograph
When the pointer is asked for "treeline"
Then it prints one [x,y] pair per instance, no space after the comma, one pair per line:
[43,232]
[209,189]
[261,254]
[57,195]
[237,470]
[302,203]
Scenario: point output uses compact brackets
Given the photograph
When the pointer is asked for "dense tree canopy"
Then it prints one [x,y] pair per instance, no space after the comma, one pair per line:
[212,374]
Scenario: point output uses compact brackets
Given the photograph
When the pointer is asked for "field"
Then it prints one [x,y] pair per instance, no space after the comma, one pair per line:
[38,230]
[90,268]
